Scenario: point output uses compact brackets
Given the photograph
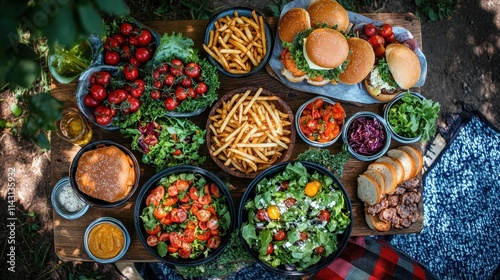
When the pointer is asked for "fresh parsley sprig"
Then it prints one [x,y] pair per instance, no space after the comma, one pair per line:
[323,157]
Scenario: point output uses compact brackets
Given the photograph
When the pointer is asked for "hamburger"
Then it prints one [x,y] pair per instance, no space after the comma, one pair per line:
[398,71]
[328,12]
[360,61]
[292,22]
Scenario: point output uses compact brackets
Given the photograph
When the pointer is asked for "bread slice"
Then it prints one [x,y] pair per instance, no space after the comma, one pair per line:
[406,160]
[378,177]
[417,158]
[368,190]
[389,174]
[398,166]
[376,224]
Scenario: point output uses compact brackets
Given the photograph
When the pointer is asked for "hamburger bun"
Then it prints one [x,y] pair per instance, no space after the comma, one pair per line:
[326,48]
[361,60]
[329,12]
[403,64]
[105,173]
[292,22]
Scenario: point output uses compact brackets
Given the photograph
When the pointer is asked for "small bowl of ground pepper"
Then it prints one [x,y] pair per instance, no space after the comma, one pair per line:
[367,136]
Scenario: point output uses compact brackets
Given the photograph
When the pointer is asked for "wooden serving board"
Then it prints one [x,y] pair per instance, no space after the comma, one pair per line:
[68,234]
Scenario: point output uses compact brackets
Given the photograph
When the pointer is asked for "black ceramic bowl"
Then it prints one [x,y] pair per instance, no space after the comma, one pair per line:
[290,270]
[141,204]
[94,201]
[247,12]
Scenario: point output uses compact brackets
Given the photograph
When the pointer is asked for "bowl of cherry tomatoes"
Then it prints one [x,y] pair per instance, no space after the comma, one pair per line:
[184,216]
[319,122]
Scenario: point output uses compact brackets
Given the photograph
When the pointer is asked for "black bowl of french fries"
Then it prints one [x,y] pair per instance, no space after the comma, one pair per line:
[249,130]
[238,41]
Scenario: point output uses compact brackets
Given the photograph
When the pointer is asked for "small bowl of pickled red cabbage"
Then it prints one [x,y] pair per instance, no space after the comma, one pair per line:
[367,136]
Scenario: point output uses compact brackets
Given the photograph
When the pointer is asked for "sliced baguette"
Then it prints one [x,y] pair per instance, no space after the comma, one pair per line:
[378,177]
[398,166]
[389,174]
[368,190]
[376,224]
[406,160]
[417,158]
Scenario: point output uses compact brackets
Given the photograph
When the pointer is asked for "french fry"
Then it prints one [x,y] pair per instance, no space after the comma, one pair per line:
[238,43]
[249,133]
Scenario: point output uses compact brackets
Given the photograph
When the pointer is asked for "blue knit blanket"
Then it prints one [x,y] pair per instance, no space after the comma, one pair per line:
[461,234]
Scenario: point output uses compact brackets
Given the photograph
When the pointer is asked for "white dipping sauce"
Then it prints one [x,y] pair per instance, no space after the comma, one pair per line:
[69,200]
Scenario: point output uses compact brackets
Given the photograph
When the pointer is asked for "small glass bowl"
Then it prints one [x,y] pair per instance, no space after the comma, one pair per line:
[59,208]
[395,136]
[387,140]
[304,137]
[115,222]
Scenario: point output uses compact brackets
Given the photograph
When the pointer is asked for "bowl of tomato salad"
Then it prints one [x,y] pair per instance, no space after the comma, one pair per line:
[295,218]
[184,216]
[319,122]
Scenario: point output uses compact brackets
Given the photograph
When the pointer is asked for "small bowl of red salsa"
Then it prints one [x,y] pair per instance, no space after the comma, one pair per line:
[319,121]
[366,135]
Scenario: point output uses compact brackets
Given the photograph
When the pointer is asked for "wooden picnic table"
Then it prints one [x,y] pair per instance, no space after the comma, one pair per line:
[68,234]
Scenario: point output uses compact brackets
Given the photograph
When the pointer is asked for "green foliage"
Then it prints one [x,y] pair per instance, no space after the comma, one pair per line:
[436,9]
[323,157]
[277,6]
[184,10]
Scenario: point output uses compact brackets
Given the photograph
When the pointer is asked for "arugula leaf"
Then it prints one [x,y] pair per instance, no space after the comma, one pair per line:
[411,116]
[385,74]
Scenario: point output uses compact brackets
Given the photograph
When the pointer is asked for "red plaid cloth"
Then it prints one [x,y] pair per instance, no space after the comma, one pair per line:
[368,258]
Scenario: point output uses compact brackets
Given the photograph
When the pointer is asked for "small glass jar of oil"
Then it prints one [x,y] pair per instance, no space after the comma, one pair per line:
[73,127]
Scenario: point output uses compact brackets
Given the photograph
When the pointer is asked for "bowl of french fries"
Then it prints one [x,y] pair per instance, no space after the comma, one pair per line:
[249,130]
[238,41]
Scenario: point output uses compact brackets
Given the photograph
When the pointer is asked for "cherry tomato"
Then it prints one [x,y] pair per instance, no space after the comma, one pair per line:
[119,38]
[385,30]
[98,92]
[172,249]
[176,67]
[152,240]
[126,28]
[273,212]
[155,196]
[189,235]
[193,193]
[191,93]
[183,197]
[159,213]
[111,57]
[167,220]
[303,121]
[183,253]
[175,239]
[156,74]
[324,215]
[130,72]
[261,215]
[181,185]
[376,40]
[164,237]
[205,200]
[179,215]
[203,215]
[215,232]
[126,52]
[201,88]
[192,70]
[163,68]
[303,236]
[204,236]
[320,250]
[177,152]
[169,80]
[142,54]
[289,202]
[111,44]
[89,101]
[279,235]
[186,82]
[137,88]
[155,94]
[117,96]
[171,104]
[133,61]
[172,191]
[214,242]
[389,39]
[133,40]
[379,50]
[134,104]
[180,93]
[102,115]
[270,248]
[154,231]
[169,201]
[370,29]
[214,190]
[315,104]
[213,223]
[103,77]
[144,38]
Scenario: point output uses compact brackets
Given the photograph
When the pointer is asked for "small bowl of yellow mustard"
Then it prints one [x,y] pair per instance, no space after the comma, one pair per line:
[106,240]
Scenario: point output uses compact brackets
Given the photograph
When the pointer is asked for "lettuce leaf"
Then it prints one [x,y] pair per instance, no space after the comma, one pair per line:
[175,46]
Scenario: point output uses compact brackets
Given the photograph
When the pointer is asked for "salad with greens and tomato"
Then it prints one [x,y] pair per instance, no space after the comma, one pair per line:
[295,218]
[185,216]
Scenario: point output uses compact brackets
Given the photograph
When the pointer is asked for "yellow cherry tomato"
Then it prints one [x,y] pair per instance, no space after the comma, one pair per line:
[273,212]
[312,188]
